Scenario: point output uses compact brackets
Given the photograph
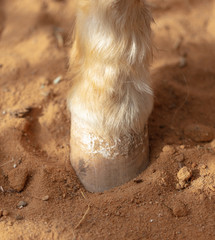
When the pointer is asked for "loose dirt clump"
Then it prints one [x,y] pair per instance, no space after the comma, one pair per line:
[17,178]
[183,175]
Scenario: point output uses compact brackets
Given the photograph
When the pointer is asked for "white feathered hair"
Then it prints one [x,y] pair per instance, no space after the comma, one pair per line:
[109,61]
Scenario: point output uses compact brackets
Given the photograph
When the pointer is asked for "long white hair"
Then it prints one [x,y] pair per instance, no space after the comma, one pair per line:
[109,63]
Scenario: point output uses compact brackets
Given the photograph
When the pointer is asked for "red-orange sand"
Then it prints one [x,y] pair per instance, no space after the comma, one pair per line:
[173,199]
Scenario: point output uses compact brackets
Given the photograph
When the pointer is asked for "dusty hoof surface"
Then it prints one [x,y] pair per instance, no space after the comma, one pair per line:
[33,67]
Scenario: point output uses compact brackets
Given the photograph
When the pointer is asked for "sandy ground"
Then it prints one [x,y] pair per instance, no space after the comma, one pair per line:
[40,195]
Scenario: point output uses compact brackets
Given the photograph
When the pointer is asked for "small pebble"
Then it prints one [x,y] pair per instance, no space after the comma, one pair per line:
[45,198]
[179,209]
[184,174]
[18,217]
[57,80]
[18,178]
[22,204]
[168,149]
